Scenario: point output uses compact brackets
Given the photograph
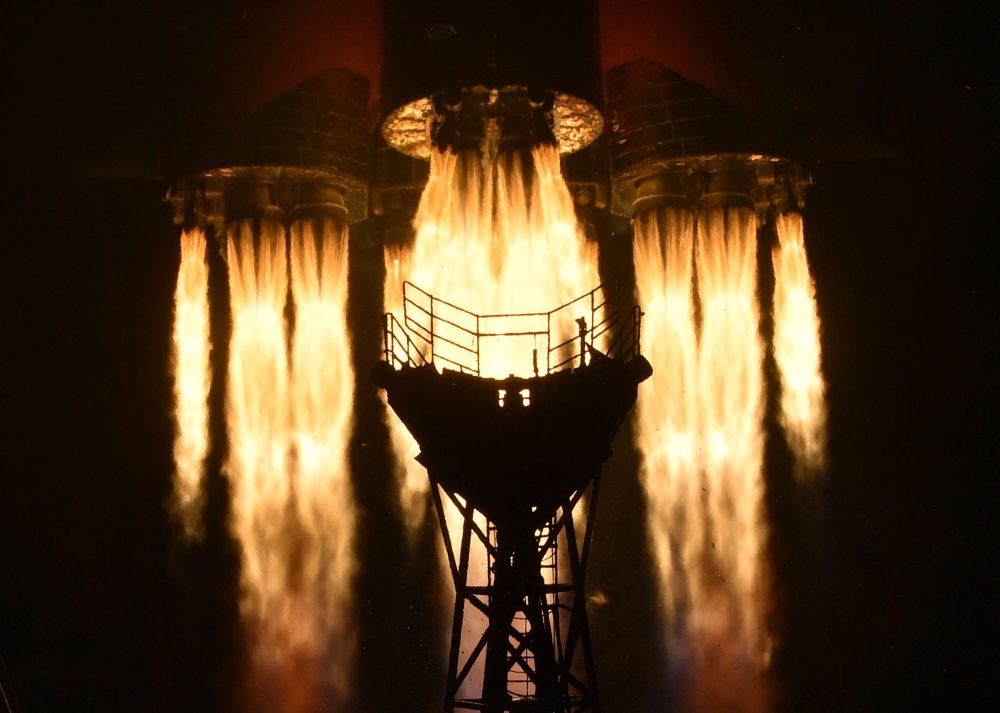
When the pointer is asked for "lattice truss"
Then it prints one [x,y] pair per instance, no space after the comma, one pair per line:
[520,633]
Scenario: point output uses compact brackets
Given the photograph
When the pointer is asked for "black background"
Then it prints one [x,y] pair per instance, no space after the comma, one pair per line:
[887,591]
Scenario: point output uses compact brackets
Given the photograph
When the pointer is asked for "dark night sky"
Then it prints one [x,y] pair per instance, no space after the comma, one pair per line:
[889,597]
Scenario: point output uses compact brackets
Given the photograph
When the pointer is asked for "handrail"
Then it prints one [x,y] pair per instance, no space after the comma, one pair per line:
[626,343]
[392,330]
[436,322]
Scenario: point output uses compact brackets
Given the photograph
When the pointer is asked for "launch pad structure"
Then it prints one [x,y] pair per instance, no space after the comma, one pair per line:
[519,460]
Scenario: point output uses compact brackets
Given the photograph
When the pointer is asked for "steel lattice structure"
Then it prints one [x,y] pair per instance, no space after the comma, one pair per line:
[515,469]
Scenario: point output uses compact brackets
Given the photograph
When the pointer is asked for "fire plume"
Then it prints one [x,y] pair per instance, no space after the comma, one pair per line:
[701,435]
[288,430]
[796,347]
[668,405]
[495,235]
[322,393]
[192,379]
[730,390]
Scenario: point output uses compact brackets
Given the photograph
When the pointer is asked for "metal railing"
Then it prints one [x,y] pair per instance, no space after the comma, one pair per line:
[453,336]
[399,349]
[625,345]
[603,304]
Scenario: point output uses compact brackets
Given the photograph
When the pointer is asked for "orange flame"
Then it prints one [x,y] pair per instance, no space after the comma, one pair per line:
[322,404]
[668,405]
[701,434]
[730,382]
[494,236]
[796,347]
[288,463]
[192,379]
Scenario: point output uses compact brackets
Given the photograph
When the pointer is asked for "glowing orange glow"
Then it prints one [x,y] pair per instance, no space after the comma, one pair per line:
[730,390]
[494,236]
[668,403]
[500,238]
[322,398]
[288,430]
[796,347]
[701,435]
[192,378]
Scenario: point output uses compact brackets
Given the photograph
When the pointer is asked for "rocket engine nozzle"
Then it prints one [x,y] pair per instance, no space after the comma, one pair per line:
[493,120]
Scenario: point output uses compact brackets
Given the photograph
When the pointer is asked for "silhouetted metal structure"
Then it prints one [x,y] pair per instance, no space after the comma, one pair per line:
[517,461]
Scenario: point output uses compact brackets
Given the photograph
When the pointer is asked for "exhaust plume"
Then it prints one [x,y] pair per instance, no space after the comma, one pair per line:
[288,430]
[495,235]
[701,435]
[796,348]
[192,379]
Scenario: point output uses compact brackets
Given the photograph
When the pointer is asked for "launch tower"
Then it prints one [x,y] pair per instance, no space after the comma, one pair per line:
[519,460]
